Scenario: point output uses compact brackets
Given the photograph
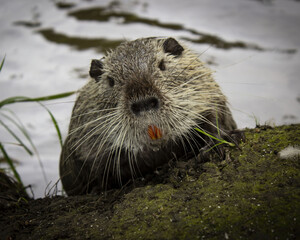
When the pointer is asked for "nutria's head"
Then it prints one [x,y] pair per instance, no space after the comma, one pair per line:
[153,91]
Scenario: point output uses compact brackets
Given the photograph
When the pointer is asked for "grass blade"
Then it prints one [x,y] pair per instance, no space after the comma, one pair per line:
[17,138]
[214,146]
[38,99]
[21,127]
[11,164]
[213,137]
[2,63]
[55,124]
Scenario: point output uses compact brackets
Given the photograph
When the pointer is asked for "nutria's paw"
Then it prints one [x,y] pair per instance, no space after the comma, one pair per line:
[214,149]
[236,136]
[211,152]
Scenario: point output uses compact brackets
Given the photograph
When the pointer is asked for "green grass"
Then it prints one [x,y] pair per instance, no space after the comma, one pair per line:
[220,141]
[2,63]
[18,130]
[18,99]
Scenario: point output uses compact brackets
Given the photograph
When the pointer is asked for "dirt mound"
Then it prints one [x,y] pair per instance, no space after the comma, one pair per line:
[252,194]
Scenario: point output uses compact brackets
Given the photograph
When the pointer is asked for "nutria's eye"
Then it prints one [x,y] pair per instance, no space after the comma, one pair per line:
[162,65]
[111,81]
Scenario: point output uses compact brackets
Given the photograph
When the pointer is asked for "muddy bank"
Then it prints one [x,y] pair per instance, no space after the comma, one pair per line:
[252,194]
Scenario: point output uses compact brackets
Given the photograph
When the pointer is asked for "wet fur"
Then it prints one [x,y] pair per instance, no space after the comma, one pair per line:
[108,144]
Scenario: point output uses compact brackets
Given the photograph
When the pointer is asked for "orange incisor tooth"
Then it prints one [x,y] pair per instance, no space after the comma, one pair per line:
[154,132]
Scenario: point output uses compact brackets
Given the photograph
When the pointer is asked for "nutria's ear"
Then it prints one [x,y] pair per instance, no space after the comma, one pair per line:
[173,47]
[96,69]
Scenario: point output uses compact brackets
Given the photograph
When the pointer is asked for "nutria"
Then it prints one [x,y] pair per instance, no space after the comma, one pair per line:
[138,111]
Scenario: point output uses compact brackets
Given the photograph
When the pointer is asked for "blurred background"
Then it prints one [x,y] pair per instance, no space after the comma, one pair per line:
[252,45]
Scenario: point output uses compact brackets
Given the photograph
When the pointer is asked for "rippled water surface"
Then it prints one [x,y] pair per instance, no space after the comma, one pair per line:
[252,45]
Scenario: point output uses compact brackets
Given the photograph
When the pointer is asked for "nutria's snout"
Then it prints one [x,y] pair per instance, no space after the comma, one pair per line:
[147,104]
[142,94]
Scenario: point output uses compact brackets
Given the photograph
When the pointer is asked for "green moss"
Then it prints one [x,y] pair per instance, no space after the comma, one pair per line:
[253,194]
[256,195]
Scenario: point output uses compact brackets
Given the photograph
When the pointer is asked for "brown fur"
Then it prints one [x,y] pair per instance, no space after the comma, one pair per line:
[146,82]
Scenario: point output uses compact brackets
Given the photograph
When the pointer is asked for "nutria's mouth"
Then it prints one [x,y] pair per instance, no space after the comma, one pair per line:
[154,132]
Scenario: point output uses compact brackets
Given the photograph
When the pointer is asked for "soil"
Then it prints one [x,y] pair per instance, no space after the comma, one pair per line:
[251,194]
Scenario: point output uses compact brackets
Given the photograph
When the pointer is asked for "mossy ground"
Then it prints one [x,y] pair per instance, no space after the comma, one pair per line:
[252,194]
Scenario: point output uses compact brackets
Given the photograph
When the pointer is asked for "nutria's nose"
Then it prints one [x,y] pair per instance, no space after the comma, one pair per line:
[147,104]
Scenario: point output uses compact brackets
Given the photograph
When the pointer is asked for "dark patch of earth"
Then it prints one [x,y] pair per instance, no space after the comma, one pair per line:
[251,194]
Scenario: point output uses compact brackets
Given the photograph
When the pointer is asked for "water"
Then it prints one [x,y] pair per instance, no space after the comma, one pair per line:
[252,45]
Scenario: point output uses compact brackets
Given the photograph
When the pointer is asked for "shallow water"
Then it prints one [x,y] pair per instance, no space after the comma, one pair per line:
[252,45]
